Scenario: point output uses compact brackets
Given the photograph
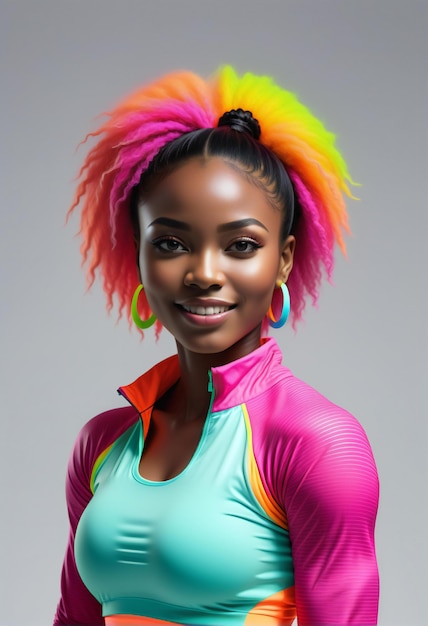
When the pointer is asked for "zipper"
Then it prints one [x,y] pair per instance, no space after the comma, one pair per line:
[211,390]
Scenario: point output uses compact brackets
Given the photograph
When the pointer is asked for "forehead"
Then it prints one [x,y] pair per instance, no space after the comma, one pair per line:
[211,189]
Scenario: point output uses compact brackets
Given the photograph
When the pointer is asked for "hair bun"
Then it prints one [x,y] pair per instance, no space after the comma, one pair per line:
[241,120]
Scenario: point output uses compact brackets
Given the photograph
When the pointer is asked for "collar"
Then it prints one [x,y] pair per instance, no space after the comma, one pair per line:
[231,384]
[247,377]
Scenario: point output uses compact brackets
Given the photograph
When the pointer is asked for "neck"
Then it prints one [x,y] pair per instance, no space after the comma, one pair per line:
[192,388]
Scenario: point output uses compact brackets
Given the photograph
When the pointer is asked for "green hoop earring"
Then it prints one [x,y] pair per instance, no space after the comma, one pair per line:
[143,324]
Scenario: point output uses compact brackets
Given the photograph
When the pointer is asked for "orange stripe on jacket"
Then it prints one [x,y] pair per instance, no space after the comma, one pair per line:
[278,609]
[265,500]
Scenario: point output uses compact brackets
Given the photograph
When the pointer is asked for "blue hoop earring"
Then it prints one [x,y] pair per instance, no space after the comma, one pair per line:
[285,312]
[134,311]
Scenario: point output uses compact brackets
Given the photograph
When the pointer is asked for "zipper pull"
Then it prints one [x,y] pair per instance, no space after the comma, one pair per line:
[210,381]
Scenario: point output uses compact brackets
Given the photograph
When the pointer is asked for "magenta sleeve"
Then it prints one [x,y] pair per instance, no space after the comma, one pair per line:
[77,606]
[317,463]
[331,503]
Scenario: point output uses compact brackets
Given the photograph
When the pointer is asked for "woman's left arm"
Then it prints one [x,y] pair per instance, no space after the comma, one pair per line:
[331,495]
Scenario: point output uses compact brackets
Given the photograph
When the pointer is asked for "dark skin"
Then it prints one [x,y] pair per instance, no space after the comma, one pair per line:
[210,257]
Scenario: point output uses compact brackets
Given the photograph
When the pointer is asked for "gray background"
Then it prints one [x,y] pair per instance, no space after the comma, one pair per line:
[361,66]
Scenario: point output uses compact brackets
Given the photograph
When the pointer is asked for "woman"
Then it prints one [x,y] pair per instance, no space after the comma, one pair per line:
[228,491]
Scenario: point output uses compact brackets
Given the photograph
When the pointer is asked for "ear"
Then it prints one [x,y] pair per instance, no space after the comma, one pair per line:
[287,255]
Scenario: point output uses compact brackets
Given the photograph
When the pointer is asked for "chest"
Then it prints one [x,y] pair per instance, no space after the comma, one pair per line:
[168,447]
[200,538]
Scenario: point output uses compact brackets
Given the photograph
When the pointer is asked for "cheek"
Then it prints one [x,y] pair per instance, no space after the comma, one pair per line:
[257,276]
[159,277]
[148,265]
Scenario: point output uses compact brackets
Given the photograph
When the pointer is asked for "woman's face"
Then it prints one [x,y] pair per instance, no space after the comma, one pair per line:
[210,255]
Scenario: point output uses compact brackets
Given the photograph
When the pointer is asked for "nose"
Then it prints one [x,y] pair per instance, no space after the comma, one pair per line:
[204,271]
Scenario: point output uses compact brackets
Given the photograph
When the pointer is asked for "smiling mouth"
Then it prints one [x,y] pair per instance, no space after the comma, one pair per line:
[206,310]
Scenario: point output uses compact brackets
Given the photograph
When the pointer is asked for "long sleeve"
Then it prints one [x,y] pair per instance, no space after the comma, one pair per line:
[77,606]
[318,465]
[331,503]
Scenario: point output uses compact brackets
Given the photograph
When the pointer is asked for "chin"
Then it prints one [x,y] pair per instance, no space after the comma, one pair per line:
[215,345]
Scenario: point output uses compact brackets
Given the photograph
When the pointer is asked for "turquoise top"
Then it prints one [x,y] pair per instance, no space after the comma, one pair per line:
[200,540]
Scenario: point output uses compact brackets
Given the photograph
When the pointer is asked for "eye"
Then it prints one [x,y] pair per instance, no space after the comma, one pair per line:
[244,246]
[169,244]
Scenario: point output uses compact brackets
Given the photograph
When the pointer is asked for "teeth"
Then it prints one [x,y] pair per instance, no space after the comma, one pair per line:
[206,310]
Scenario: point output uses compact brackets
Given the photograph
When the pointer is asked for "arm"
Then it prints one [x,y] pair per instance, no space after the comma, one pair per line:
[331,496]
[77,606]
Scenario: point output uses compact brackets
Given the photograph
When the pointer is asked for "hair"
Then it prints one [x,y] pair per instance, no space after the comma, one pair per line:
[235,146]
[295,160]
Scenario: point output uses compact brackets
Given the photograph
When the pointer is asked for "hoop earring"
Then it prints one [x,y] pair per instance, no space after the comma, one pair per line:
[134,311]
[285,312]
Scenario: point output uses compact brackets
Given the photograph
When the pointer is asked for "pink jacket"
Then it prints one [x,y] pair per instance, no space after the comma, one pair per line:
[307,477]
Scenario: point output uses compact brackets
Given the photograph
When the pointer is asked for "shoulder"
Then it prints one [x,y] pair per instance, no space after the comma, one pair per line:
[301,438]
[108,424]
[293,409]
[97,435]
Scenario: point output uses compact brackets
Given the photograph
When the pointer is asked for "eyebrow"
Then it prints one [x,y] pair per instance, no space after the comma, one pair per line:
[168,221]
[249,221]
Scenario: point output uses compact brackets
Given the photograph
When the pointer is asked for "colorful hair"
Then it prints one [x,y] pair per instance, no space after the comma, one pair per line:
[183,102]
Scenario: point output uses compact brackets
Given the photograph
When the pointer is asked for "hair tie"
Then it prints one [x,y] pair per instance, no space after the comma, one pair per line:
[242,121]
